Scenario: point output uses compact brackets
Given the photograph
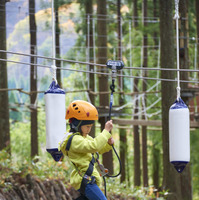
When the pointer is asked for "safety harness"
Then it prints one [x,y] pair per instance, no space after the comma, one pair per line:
[86,178]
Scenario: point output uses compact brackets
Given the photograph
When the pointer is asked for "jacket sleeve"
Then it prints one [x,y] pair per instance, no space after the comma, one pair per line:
[106,148]
[84,145]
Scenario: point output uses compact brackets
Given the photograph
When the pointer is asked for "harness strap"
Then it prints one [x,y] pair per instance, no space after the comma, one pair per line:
[69,142]
[87,178]
[89,171]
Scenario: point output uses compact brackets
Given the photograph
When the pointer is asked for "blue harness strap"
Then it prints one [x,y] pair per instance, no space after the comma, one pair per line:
[87,178]
[69,142]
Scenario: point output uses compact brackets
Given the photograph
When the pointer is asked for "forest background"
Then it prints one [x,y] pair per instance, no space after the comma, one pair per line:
[142,34]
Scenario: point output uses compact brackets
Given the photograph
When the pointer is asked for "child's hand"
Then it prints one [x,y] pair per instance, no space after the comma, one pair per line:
[109,125]
[111,141]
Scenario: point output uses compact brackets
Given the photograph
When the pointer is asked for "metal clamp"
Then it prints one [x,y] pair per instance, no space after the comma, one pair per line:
[101,169]
[115,64]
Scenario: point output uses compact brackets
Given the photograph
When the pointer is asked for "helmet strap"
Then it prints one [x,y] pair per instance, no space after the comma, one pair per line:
[75,128]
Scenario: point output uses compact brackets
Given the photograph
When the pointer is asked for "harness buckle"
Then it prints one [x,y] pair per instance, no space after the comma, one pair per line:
[90,179]
[87,177]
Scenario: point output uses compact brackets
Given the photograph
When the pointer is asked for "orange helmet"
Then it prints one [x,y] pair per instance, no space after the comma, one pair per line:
[81,110]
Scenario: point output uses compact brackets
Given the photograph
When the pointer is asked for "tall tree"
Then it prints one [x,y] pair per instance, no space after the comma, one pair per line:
[156,165]
[186,188]
[136,141]
[183,32]
[171,179]
[135,14]
[155,15]
[103,80]
[144,88]
[90,47]
[57,40]
[136,134]
[155,149]
[33,79]
[122,132]
[4,104]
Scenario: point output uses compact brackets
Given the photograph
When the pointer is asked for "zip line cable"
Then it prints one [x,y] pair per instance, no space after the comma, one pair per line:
[89,63]
[59,59]
[101,73]
[127,76]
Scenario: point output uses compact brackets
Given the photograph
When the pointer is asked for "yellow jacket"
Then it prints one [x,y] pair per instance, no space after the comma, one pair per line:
[80,154]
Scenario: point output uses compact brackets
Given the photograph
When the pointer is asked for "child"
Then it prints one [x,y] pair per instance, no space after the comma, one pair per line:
[82,148]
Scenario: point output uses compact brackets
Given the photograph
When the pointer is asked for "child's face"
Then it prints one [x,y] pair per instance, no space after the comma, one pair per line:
[86,129]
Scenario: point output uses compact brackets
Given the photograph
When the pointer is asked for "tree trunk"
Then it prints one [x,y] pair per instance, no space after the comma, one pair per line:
[183,34]
[33,79]
[103,80]
[89,44]
[135,14]
[57,41]
[137,171]
[171,179]
[155,15]
[4,103]
[144,88]
[123,145]
[156,166]
[123,154]
[186,187]
[119,31]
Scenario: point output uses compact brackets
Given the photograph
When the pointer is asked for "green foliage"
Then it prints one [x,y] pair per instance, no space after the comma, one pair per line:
[140,193]
[5,166]
[155,165]
[192,19]
[45,168]
[20,141]
[48,168]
